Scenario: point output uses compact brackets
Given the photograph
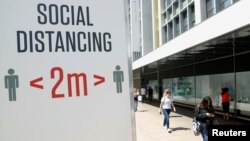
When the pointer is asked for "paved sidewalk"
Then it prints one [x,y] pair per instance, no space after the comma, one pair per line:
[149,125]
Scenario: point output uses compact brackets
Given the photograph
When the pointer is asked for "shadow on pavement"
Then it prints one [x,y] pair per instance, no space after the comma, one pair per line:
[141,110]
[179,128]
[175,116]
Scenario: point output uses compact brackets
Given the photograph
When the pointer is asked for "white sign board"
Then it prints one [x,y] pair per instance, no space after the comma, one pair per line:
[64,71]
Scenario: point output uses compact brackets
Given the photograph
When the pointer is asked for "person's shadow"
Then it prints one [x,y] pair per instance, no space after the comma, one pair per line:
[142,110]
[179,128]
[175,116]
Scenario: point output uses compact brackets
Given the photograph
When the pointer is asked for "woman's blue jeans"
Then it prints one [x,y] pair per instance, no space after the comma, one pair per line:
[166,113]
[204,131]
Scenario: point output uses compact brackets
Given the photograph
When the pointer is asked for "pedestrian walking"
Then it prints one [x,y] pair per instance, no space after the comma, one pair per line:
[204,113]
[165,108]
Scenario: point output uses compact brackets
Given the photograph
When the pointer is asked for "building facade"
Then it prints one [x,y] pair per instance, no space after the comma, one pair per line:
[204,45]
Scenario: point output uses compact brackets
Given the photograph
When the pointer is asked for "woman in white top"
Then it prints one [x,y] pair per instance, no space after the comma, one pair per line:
[166,106]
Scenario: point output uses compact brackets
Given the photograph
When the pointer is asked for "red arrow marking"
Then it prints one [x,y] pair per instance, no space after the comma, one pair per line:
[33,83]
[101,79]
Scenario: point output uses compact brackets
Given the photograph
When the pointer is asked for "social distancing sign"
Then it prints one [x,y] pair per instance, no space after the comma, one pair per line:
[65,71]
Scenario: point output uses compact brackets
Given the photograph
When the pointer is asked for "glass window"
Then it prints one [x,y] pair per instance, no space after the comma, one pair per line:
[165,4]
[177,27]
[154,85]
[183,3]
[209,8]
[167,84]
[164,18]
[224,4]
[169,13]
[165,34]
[176,8]
[185,21]
[183,89]
[170,31]
[243,89]
[210,85]
[192,16]
[243,80]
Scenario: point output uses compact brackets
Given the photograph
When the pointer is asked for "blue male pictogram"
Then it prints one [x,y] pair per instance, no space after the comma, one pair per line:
[11,83]
[118,79]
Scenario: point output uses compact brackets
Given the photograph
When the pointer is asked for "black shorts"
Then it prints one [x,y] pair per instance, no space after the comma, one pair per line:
[225,107]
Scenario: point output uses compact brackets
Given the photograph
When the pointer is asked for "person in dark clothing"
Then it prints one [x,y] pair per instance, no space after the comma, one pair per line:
[204,112]
[150,94]
[136,94]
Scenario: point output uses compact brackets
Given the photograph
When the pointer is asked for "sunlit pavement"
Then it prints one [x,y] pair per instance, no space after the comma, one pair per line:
[149,126]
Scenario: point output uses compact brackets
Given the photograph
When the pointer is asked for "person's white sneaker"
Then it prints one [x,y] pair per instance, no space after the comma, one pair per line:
[169,130]
[165,127]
